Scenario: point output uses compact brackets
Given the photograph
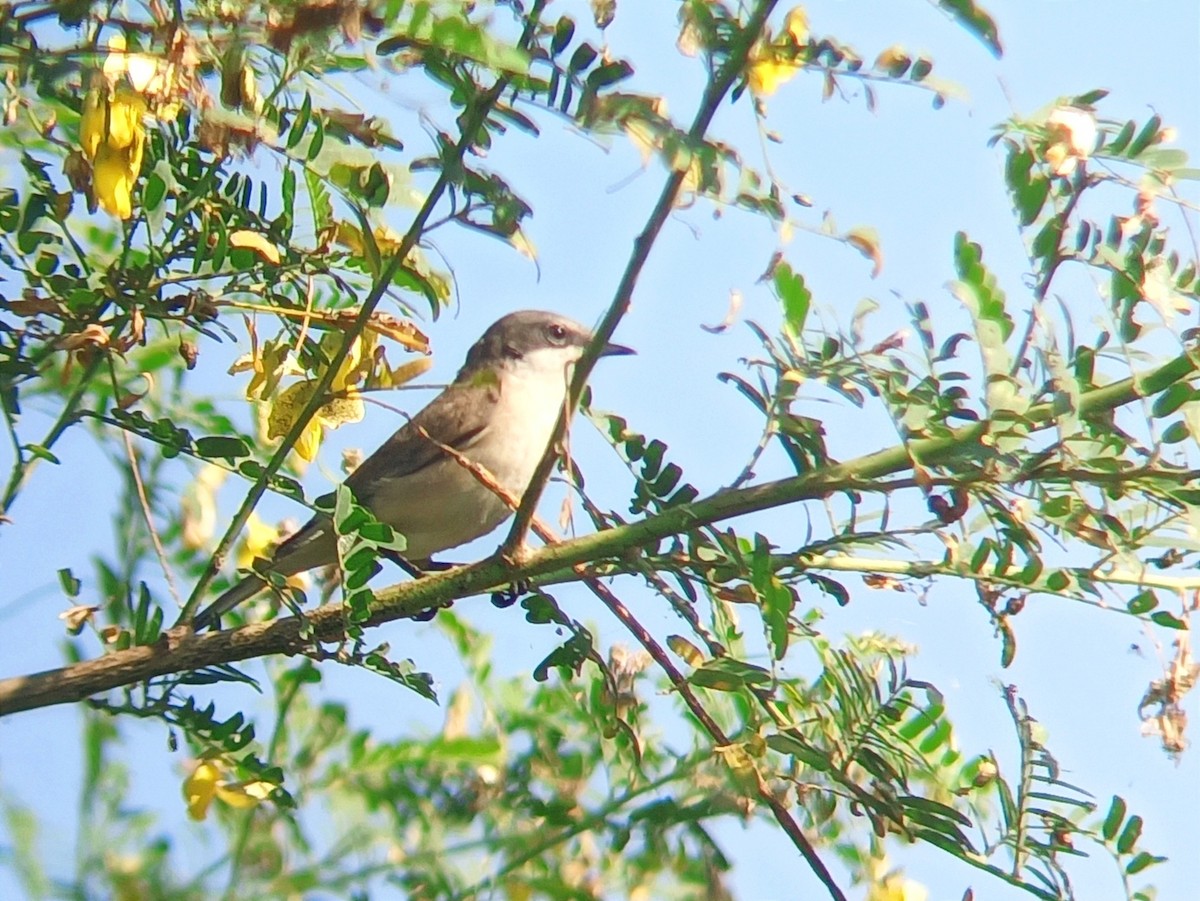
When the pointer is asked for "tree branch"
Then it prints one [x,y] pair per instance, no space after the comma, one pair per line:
[472,121]
[713,95]
[176,652]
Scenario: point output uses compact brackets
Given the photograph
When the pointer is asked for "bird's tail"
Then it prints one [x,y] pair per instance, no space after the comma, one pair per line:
[243,590]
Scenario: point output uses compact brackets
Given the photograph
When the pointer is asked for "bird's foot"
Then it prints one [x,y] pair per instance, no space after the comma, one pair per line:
[510,594]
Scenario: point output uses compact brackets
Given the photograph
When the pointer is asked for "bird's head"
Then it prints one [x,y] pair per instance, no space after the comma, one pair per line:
[535,340]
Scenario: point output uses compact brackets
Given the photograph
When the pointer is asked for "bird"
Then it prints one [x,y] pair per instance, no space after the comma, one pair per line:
[499,413]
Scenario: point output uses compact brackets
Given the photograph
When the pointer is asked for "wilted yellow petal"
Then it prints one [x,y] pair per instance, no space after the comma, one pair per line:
[146,73]
[1077,126]
[736,758]
[865,240]
[350,237]
[341,410]
[386,240]
[286,408]
[198,517]
[271,364]
[133,154]
[796,24]
[309,442]
[357,364]
[200,788]
[256,242]
[78,616]
[400,330]
[643,137]
[114,63]
[685,649]
[1062,161]
[523,245]
[244,363]
[406,372]
[897,888]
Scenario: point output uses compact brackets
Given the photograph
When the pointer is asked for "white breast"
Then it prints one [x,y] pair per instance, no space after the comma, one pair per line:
[444,505]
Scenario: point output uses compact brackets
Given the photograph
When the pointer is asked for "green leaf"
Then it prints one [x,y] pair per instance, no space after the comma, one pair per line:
[936,808]
[1145,136]
[1129,835]
[1175,433]
[296,132]
[728,674]
[584,55]
[935,739]
[789,744]
[975,20]
[608,74]
[1172,399]
[42,453]
[794,295]
[778,602]
[568,658]
[1168,620]
[1142,602]
[221,447]
[876,766]
[70,584]
[154,191]
[1141,861]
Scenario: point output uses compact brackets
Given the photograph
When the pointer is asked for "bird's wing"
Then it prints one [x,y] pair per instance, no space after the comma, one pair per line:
[456,418]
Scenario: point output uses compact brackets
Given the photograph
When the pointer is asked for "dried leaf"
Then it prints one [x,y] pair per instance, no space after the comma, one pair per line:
[865,240]
[256,242]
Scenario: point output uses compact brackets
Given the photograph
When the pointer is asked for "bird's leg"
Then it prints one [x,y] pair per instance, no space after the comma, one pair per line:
[426,567]
[417,572]
[511,593]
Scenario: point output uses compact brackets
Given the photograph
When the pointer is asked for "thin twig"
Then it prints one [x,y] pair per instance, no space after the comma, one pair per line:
[179,651]
[135,472]
[473,120]
[680,684]
[514,545]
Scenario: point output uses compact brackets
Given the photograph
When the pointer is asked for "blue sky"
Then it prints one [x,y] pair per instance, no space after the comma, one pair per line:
[915,174]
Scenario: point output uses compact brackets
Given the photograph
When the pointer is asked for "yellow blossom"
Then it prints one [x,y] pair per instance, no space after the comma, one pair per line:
[767,73]
[796,24]
[1073,135]
[260,540]
[125,113]
[206,783]
[112,136]
[112,183]
[92,124]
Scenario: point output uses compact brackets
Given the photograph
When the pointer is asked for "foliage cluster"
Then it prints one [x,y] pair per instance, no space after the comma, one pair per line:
[194,172]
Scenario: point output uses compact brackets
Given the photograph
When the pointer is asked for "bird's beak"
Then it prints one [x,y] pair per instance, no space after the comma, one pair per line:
[616,350]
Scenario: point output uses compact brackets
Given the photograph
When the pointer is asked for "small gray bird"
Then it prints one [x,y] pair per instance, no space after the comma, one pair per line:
[499,413]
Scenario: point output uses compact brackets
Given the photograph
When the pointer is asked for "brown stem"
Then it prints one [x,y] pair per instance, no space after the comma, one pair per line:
[173,654]
[735,63]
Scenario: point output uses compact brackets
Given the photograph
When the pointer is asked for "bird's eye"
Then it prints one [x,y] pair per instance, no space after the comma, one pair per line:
[556,333]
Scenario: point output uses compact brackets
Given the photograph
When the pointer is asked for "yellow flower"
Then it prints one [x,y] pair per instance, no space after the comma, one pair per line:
[896,888]
[112,136]
[112,182]
[125,113]
[796,24]
[289,403]
[260,540]
[205,783]
[767,74]
[92,124]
